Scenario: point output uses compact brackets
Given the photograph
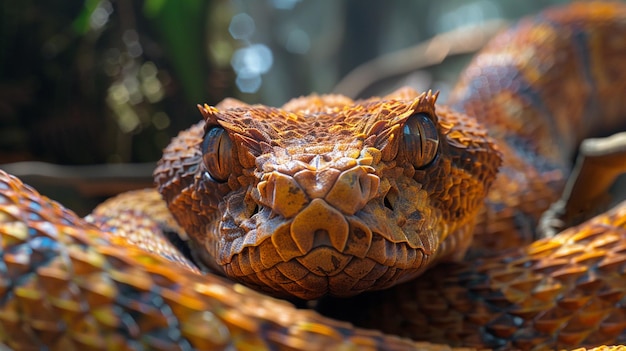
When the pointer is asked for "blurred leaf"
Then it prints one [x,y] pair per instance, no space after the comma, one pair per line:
[181,26]
[152,7]
[81,24]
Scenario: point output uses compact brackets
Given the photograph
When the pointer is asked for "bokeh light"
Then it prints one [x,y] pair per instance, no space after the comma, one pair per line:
[251,61]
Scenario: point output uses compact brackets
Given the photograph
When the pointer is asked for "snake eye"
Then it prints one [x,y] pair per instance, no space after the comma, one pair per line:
[217,150]
[421,140]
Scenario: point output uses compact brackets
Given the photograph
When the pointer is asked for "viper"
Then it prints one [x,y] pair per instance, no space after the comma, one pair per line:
[417,218]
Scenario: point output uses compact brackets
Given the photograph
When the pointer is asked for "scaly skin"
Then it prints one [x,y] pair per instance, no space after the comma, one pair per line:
[541,88]
[68,285]
[332,196]
[557,293]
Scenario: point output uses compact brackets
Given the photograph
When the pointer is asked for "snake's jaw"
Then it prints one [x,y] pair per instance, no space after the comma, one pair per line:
[327,196]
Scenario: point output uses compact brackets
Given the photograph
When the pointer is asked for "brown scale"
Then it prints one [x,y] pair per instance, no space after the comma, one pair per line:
[557,293]
[332,196]
[69,285]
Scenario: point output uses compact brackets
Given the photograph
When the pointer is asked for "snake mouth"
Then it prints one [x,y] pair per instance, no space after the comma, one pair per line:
[308,258]
[326,271]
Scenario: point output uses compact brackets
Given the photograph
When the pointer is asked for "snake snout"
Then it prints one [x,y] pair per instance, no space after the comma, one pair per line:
[318,202]
[347,191]
[353,189]
[319,244]
[319,224]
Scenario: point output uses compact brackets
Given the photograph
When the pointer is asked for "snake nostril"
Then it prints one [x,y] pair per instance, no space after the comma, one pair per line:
[254,211]
[391,198]
[387,203]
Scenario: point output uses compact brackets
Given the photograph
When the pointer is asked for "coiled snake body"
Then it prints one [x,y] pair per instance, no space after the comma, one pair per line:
[329,196]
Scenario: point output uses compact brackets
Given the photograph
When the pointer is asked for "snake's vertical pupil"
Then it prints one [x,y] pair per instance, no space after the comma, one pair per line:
[421,140]
[217,155]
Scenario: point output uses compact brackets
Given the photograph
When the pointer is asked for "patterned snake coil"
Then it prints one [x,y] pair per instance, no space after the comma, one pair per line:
[329,196]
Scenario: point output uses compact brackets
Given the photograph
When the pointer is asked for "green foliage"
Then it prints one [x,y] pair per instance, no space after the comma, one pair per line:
[181,27]
[81,23]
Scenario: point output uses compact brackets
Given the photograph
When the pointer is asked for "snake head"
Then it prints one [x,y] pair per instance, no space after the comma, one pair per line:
[326,195]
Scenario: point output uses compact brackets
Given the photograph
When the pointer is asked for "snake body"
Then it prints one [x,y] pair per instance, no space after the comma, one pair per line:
[330,196]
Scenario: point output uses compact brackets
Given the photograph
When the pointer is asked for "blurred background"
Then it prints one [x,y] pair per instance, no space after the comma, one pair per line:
[92,90]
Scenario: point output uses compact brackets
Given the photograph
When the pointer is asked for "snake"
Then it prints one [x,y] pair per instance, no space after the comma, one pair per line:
[411,220]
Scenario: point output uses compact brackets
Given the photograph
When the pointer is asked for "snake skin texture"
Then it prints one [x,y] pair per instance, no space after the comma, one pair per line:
[69,285]
[330,196]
